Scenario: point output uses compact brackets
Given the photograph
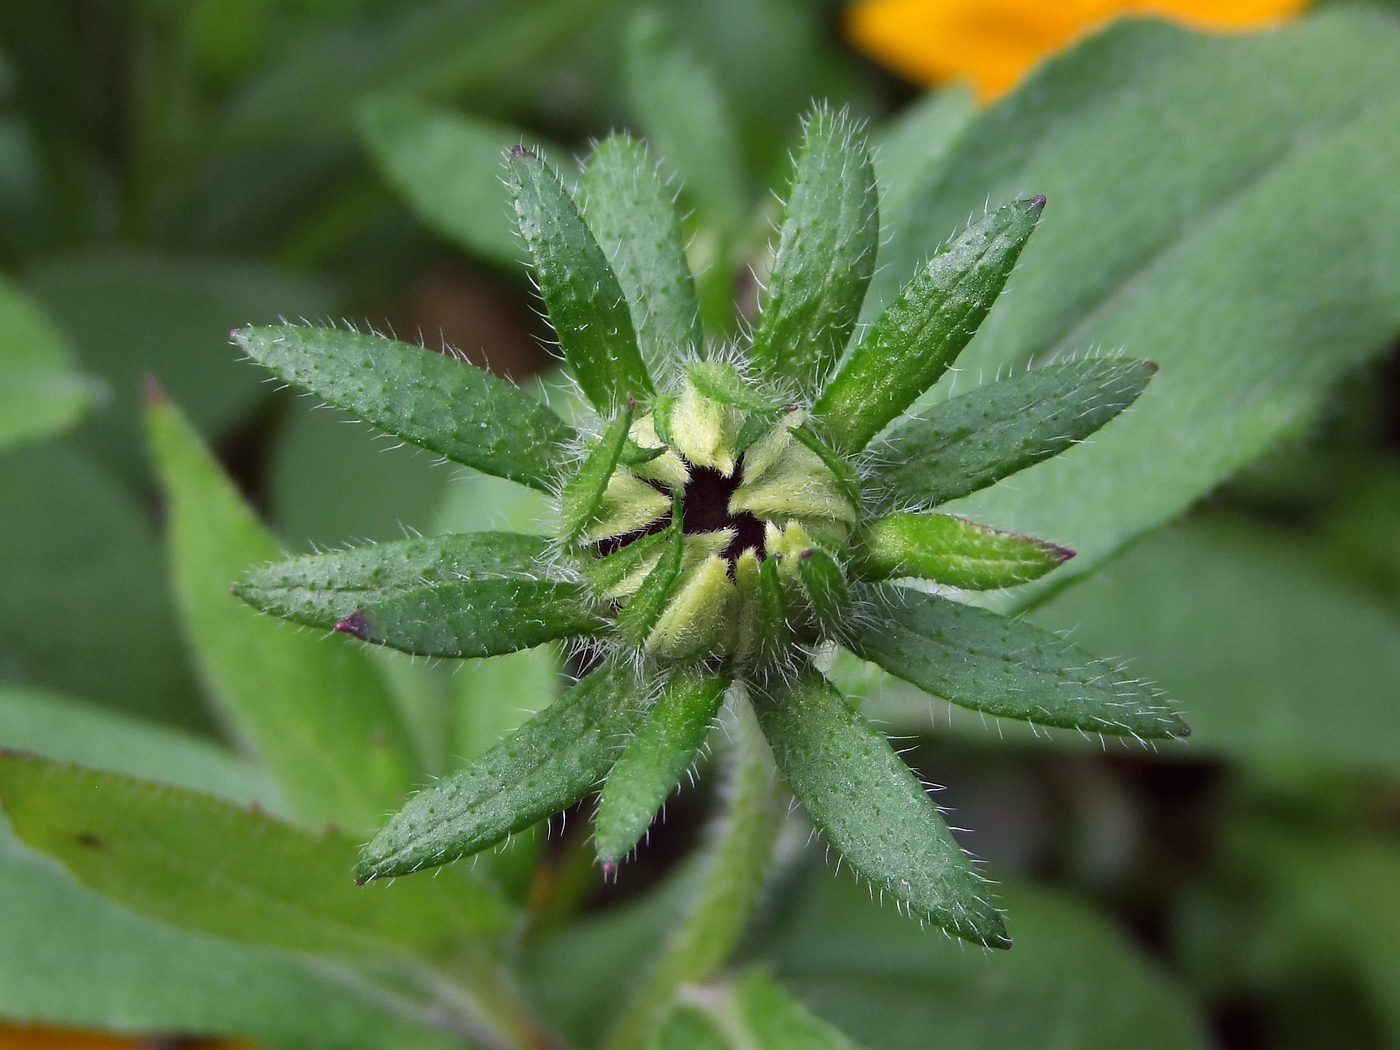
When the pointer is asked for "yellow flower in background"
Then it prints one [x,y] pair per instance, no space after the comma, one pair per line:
[993,43]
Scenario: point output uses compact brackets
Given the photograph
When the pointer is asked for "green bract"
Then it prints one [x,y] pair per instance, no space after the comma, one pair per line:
[723,513]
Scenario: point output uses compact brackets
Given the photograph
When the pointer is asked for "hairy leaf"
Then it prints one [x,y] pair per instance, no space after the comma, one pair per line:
[721,381]
[471,594]
[825,257]
[314,708]
[210,865]
[435,400]
[644,607]
[654,759]
[629,208]
[1004,666]
[587,308]
[826,589]
[951,550]
[972,441]
[551,762]
[582,496]
[868,805]
[922,332]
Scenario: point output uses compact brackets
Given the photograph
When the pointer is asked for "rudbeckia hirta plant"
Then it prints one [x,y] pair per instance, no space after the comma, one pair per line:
[726,514]
[993,43]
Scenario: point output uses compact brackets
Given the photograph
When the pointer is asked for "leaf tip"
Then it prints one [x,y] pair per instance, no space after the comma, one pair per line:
[355,624]
[152,393]
[1038,203]
[519,150]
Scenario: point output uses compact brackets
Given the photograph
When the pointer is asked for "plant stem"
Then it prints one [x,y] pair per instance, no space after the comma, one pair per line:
[488,1008]
[738,859]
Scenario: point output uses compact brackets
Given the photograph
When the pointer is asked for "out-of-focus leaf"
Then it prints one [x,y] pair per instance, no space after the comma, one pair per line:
[435,400]
[867,804]
[1204,215]
[71,730]
[85,607]
[547,766]
[1006,667]
[70,957]
[40,393]
[1072,982]
[209,865]
[688,1029]
[1272,658]
[907,148]
[336,482]
[686,117]
[495,696]
[448,167]
[632,213]
[751,1013]
[133,315]
[825,255]
[315,708]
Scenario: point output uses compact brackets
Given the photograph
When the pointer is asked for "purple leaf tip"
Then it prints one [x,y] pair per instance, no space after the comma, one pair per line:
[520,151]
[355,624]
[609,869]
[1038,200]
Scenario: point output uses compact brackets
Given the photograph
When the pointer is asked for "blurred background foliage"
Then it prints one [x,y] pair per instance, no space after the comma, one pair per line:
[171,169]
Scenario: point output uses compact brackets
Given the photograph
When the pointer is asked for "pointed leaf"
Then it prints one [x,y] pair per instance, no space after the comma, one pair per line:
[825,257]
[631,212]
[209,865]
[721,381]
[473,594]
[951,550]
[654,760]
[611,575]
[435,400]
[314,708]
[826,589]
[40,392]
[644,607]
[551,762]
[1006,667]
[582,294]
[447,168]
[777,1021]
[583,493]
[922,332]
[868,805]
[844,473]
[974,440]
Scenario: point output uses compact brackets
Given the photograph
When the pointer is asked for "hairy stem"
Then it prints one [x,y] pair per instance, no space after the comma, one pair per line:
[738,859]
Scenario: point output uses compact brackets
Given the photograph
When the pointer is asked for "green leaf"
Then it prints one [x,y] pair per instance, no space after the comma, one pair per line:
[40,393]
[474,594]
[135,314]
[923,331]
[687,1028]
[609,573]
[644,607]
[70,957]
[549,764]
[212,866]
[630,210]
[587,308]
[908,149]
[720,902]
[1074,981]
[776,1021]
[494,697]
[844,473]
[447,166]
[682,108]
[444,404]
[1206,217]
[950,550]
[826,589]
[314,708]
[654,760]
[972,441]
[1004,666]
[868,805]
[71,730]
[1279,663]
[825,257]
[86,610]
[582,496]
